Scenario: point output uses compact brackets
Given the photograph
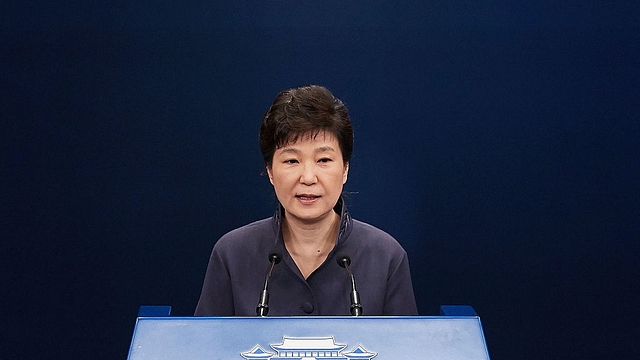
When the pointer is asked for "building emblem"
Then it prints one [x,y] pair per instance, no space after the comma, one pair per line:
[308,348]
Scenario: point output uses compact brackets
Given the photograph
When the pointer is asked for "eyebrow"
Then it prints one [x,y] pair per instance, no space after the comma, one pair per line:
[324,149]
[287,150]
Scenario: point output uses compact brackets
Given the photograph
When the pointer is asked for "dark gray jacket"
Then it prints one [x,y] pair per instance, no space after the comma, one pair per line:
[239,263]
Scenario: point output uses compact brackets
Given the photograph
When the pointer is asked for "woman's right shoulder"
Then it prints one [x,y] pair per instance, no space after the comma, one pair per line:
[248,234]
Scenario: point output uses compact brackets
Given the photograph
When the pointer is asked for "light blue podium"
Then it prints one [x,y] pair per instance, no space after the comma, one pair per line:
[309,338]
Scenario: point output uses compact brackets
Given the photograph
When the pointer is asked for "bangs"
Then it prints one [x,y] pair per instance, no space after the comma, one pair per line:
[292,138]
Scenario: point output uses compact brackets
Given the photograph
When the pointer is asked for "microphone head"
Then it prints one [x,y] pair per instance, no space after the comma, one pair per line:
[274,257]
[343,260]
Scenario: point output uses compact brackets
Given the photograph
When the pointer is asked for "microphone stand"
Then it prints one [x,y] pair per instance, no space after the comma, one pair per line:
[263,304]
[356,308]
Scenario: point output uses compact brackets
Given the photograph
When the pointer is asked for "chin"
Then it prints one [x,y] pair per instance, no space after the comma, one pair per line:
[308,216]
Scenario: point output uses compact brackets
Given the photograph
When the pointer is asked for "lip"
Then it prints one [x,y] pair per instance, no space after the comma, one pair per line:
[307,198]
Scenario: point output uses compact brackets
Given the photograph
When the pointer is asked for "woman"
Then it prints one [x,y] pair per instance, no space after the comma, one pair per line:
[306,139]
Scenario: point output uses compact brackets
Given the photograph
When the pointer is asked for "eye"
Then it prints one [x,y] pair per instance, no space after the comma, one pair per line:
[291,161]
[325,160]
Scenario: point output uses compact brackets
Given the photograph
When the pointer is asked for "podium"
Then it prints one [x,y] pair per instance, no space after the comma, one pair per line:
[309,338]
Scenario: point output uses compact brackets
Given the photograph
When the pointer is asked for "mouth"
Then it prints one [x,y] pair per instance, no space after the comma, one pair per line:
[307,197]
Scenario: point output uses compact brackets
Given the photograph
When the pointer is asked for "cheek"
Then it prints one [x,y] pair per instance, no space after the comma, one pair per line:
[281,180]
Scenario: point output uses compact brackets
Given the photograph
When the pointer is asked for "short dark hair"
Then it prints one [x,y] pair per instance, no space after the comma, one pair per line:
[306,110]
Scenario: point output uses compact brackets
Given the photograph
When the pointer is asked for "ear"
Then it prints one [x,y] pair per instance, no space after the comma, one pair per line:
[345,175]
[270,174]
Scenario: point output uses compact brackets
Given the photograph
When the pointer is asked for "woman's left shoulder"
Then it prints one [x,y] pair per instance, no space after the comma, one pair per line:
[372,234]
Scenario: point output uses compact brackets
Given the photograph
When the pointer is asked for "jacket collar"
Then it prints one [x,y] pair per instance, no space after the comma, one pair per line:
[346,222]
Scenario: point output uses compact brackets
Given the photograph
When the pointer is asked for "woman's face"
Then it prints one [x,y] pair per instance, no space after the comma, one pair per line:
[308,176]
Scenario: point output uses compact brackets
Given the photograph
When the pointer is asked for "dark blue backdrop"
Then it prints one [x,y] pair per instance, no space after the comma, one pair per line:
[496,140]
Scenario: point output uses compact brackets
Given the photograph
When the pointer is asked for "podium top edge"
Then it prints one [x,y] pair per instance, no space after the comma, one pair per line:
[183,318]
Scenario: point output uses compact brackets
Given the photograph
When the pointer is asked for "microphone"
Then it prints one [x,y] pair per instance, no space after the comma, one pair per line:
[356,308]
[263,303]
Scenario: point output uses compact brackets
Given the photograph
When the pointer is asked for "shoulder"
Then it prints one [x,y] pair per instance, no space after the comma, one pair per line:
[375,250]
[247,235]
[370,236]
[264,225]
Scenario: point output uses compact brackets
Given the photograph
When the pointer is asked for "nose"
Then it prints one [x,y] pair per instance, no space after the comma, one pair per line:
[308,175]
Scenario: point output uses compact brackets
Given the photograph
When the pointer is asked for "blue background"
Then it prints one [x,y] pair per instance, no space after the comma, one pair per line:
[496,140]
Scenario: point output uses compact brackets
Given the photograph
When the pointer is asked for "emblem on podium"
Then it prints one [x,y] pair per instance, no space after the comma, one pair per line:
[308,348]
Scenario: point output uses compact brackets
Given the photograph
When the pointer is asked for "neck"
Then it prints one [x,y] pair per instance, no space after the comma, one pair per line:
[303,233]
[310,244]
